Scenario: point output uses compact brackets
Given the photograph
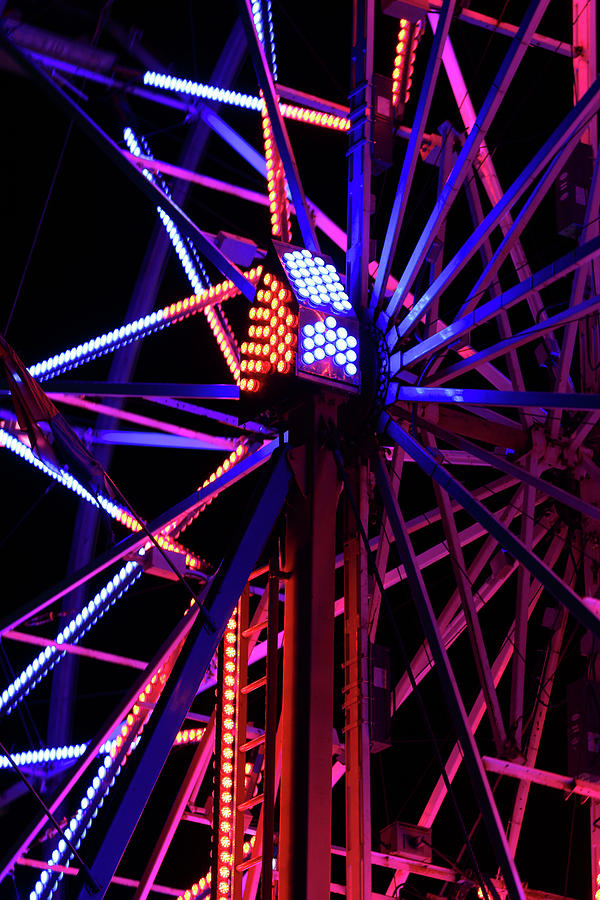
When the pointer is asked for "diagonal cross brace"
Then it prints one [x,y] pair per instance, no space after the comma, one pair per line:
[282,140]
[481,787]
[113,152]
[179,692]
[509,541]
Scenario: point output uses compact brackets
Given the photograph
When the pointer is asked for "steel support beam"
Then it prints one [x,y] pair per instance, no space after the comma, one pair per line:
[452,621]
[113,152]
[539,717]
[464,161]
[469,607]
[581,280]
[307,710]
[555,585]
[575,120]
[360,144]
[517,226]
[455,759]
[411,156]
[132,544]
[386,538]
[280,134]
[499,667]
[488,176]
[218,603]
[454,701]
[461,326]
[356,691]
[523,474]
[530,775]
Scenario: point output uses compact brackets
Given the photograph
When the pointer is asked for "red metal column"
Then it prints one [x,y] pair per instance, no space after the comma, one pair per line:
[307,714]
[356,695]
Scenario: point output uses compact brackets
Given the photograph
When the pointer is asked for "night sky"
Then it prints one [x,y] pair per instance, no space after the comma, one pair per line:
[75,233]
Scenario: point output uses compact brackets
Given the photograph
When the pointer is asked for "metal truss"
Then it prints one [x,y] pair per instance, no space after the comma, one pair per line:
[467,462]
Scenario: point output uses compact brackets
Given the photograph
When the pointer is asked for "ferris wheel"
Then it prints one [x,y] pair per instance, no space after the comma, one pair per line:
[389,580]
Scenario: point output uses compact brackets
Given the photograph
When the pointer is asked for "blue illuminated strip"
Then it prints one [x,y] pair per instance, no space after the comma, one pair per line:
[79,824]
[60,475]
[260,30]
[187,253]
[99,346]
[271,38]
[72,633]
[316,282]
[183,248]
[47,755]
[328,339]
[258,21]
[204,91]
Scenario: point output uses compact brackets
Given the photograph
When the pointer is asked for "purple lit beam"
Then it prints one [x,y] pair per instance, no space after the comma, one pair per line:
[461,327]
[411,156]
[476,397]
[280,134]
[129,545]
[113,152]
[145,390]
[511,543]
[322,221]
[517,340]
[574,122]
[468,152]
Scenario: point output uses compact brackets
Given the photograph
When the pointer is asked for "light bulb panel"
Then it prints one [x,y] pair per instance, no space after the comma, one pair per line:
[328,329]
[270,347]
[409,35]
[328,347]
[301,324]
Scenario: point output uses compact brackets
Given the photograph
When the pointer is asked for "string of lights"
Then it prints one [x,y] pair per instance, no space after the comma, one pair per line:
[188,256]
[188,87]
[140,328]
[116,512]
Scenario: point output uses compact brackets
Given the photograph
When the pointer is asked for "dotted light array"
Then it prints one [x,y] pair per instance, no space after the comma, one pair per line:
[71,752]
[313,117]
[101,602]
[279,206]
[258,22]
[247,101]
[225,832]
[72,633]
[201,887]
[139,328]
[193,269]
[93,799]
[190,261]
[328,331]
[316,282]
[113,509]
[409,35]
[257,15]
[327,341]
[272,338]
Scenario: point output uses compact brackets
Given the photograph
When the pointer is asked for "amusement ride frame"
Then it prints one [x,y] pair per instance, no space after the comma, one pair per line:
[479,371]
